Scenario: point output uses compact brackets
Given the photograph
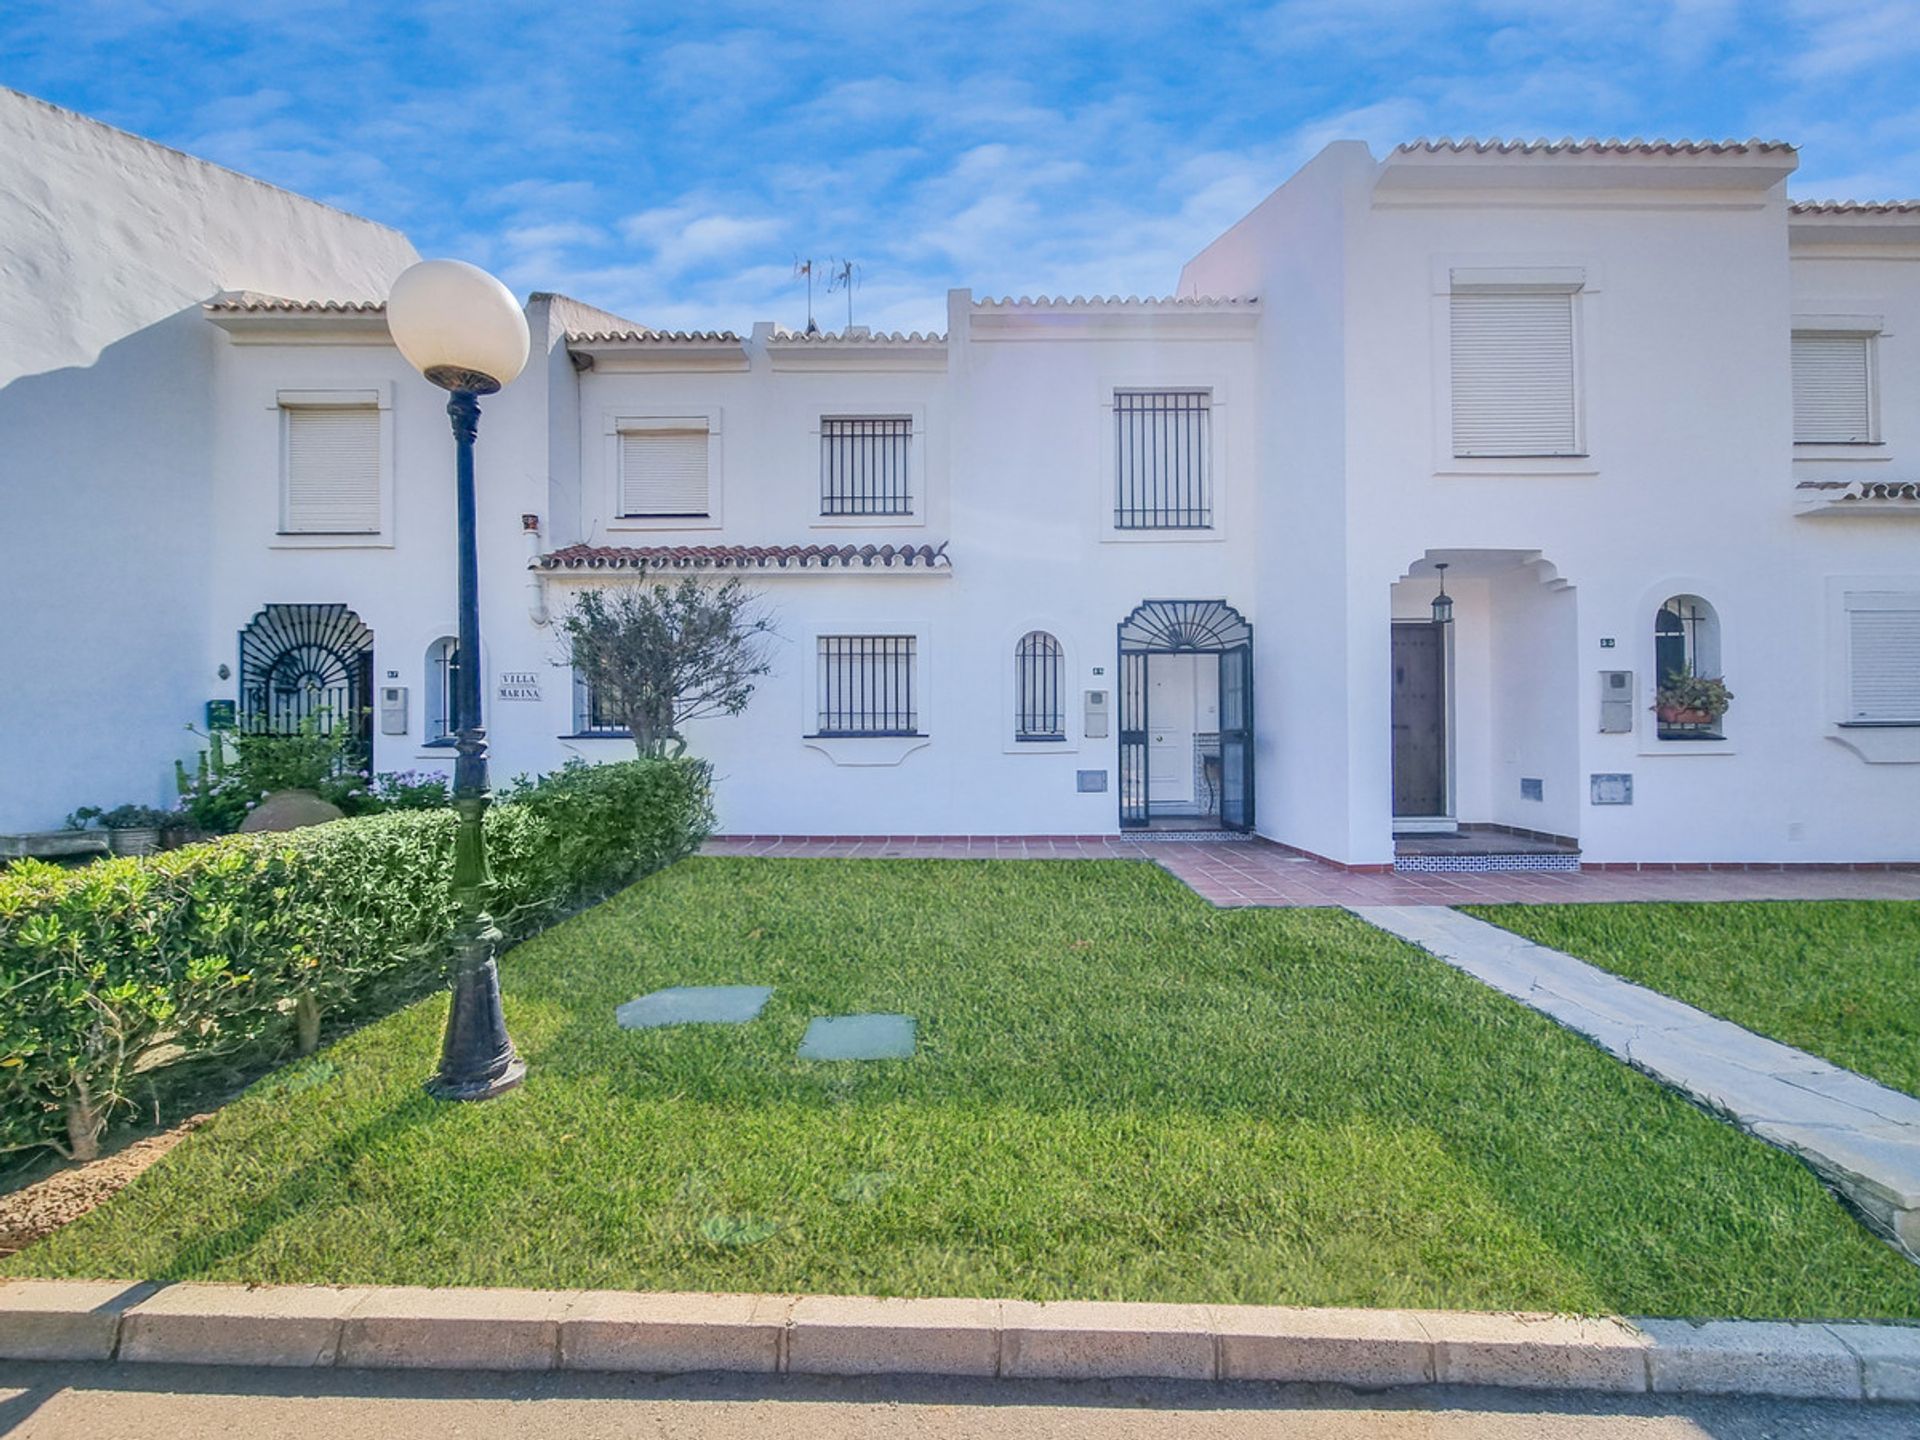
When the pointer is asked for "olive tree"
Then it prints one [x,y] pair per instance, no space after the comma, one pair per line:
[657,656]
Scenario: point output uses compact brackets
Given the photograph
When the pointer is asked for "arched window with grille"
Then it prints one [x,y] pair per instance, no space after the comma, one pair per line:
[443,674]
[1039,686]
[1686,668]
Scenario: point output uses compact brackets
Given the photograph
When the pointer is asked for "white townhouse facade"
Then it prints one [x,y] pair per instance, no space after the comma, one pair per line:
[1081,567]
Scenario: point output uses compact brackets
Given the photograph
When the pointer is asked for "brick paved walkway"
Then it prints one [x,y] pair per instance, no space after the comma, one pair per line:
[1258,872]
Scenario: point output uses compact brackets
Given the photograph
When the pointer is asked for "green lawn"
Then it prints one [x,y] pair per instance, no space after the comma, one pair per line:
[1838,978]
[1121,1092]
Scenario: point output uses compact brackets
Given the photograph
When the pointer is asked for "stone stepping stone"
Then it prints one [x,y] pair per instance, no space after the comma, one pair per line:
[859,1037]
[694,1005]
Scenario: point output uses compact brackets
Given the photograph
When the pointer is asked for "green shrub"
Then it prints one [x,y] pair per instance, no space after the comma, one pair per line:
[226,946]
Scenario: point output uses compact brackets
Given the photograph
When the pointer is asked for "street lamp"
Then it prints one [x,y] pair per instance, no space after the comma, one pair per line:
[461,328]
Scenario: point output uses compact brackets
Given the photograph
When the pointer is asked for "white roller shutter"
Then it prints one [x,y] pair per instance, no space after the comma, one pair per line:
[333,470]
[663,472]
[1883,658]
[1832,389]
[1513,373]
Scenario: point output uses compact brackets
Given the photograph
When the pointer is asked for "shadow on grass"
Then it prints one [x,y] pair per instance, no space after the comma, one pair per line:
[295,1193]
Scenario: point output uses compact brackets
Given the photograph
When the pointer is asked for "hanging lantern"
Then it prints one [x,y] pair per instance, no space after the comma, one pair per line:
[1443,602]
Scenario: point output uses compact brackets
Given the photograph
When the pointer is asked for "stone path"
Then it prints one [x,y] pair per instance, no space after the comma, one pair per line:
[1859,1137]
[1236,873]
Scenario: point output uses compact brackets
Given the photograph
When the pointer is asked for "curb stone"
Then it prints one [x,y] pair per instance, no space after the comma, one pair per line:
[585,1330]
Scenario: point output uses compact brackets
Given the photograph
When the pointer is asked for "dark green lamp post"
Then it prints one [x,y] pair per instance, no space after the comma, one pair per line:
[462,329]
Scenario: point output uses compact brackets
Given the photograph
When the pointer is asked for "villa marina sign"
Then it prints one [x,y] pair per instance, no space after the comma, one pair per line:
[518,685]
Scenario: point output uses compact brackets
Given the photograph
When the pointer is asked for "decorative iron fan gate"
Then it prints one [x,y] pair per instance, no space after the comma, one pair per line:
[307,661]
[1205,627]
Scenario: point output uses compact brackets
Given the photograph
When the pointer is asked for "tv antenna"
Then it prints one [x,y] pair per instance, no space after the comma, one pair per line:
[805,267]
[844,276]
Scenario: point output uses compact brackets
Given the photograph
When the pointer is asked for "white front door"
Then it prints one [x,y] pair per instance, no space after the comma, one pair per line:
[1170,706]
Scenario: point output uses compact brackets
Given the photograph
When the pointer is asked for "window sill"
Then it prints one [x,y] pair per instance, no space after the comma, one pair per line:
[867,735]
[598,735]
[1572,466]
[1870,450]
[313,540]
[909,521]
[447,744]
[1198,534]
[1059,745]
[664,522]
[1717,745]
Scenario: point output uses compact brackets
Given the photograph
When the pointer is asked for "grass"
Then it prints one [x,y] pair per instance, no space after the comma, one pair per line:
[1121,1093]
[1837,978]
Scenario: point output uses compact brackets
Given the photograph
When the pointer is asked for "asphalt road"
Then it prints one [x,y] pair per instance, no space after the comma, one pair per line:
[142,1402]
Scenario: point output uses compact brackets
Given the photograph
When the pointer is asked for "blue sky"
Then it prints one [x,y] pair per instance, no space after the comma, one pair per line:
[670,162]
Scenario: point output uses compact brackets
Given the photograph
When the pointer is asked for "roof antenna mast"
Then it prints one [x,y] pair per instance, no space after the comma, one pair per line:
[805,267]
[843,276]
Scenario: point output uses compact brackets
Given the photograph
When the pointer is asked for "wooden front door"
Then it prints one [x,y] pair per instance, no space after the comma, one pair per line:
[1419,720]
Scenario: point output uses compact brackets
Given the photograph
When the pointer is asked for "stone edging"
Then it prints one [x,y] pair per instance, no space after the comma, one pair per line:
[598,1330]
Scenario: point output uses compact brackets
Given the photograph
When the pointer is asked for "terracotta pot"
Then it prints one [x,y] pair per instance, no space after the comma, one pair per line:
[1676,715]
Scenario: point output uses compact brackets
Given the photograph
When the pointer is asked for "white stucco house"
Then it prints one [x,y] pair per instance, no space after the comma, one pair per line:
[1072,567]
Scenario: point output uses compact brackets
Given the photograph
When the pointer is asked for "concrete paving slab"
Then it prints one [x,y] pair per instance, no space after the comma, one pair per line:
[858,1335]
[694,1005]
[1367,1349]
[455,1329]
[1723,1357]
[1889,1357]
[64,1319]
[666,1334]
[1099,1340]
[859,1037]
[239,1324]
[1535,1352]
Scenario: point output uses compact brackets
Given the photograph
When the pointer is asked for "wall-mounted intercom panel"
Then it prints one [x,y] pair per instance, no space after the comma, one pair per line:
[393,709]
[1097,705]
[1616,702]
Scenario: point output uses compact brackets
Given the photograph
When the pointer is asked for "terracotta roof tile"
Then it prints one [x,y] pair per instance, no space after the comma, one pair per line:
[1855,207]
[253,302]
[747,557]
[1117,302]
[1446,145]
[641,335]
[1850,491]
[832,337]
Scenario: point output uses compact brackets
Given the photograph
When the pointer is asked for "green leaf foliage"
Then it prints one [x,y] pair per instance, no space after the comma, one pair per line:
[123,964]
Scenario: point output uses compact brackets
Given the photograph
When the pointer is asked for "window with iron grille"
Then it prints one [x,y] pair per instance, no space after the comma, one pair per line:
[591,714]
[443,679]
[1163,453]
[1040,708]
[865,465]
[866,685]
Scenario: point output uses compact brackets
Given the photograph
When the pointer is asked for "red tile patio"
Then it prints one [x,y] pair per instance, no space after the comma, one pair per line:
[1259,872]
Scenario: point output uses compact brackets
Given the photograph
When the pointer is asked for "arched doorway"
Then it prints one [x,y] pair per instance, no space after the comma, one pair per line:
[1207,775]
[301,662]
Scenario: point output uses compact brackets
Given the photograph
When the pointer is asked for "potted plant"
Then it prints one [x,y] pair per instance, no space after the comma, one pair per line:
[1691,702]
[131,829]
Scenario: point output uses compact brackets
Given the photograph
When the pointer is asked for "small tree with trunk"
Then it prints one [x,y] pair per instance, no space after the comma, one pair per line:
[657,656]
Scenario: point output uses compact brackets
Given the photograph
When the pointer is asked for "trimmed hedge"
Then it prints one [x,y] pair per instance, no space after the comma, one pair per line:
[240,944]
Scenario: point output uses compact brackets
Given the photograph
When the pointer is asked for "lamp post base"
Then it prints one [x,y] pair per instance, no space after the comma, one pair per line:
[479,1087]
[477,1058]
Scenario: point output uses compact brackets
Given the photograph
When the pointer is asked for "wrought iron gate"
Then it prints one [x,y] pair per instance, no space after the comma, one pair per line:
[301,662]
[1205,627]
